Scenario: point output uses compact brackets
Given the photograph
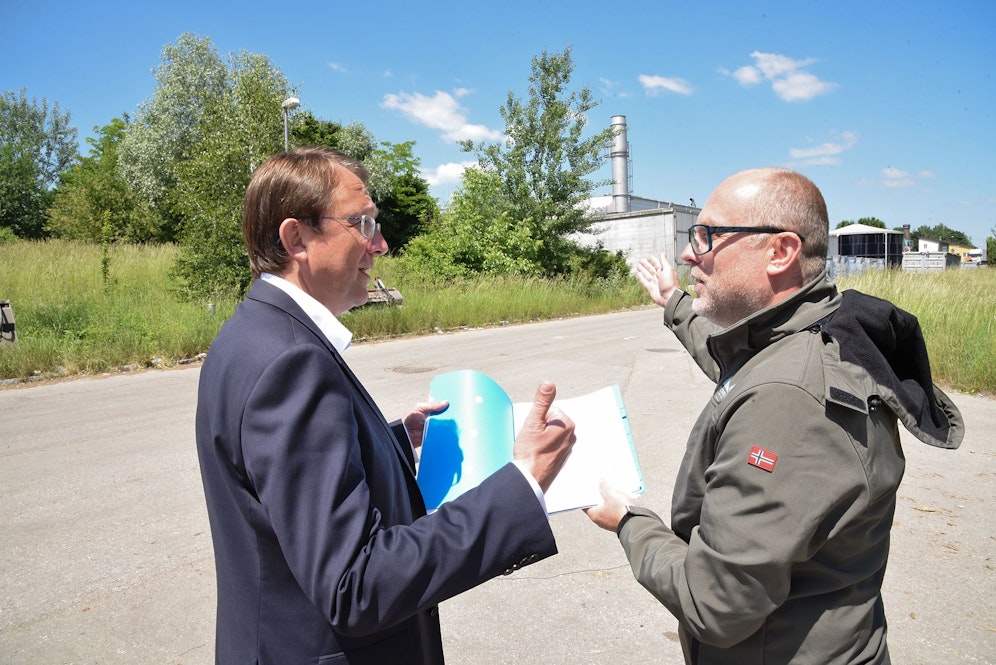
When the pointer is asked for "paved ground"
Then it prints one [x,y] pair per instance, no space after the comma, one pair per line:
[105,554]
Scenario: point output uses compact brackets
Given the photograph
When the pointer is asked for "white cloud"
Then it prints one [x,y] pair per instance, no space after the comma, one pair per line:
[445,174]
[441,112]
[748,76]
[800,87]
[336,67]
[790,81]
[655,84]
[775,66]
[824,154]
[893,177]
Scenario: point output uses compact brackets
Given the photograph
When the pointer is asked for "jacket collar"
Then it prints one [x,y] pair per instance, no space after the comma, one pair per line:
[269,294]
[732,347]
[331,327]
[869,333]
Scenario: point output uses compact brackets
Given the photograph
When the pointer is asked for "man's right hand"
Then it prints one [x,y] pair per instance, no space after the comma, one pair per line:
[658,278]
[546,438]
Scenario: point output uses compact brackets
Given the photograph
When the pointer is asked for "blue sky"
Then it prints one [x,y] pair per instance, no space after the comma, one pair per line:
[887,106]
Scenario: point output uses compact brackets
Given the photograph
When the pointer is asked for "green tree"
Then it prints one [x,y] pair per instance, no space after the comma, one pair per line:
[479,235]
[307,130]
[167,128]
[353,139]
[872,221]
[991,246]
[942,232]
[402,196]
[543,165]
[94,202]
[407,209]
[37,145]
[238,129]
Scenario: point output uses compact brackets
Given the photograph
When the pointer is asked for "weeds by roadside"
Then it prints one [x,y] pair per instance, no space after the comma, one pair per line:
[84,309]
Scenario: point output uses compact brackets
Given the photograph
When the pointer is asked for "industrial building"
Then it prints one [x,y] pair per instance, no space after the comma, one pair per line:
[637,226]
[641,227]
[854,248]
[868,242]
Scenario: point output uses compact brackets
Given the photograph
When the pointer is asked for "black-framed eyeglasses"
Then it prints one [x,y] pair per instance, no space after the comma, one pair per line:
[700,235]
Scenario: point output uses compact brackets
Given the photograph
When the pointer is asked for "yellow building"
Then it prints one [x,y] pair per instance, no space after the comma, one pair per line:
[968,253]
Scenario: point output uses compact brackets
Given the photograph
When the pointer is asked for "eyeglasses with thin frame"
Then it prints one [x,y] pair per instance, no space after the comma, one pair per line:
[367,225]
[700,235]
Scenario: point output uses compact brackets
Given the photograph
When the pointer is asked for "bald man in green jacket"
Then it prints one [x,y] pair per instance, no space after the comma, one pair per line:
[781,513]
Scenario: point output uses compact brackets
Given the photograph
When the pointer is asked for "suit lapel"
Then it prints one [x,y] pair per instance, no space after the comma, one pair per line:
[271,295]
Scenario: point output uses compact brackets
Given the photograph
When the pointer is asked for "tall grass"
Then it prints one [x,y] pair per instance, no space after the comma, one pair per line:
[84,309]
[487,301]
[957,313]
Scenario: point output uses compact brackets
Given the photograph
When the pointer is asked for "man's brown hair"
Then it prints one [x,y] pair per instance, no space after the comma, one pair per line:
[300,184]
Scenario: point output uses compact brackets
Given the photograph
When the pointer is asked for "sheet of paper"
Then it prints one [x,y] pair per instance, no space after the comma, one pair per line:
[604,450]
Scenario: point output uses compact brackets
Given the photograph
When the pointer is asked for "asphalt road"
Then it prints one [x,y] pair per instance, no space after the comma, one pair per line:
[105,552]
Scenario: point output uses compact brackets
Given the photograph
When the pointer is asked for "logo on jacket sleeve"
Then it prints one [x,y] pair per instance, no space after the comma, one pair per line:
[762,459]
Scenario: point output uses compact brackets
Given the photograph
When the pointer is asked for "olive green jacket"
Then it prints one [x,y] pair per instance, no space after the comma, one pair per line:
[785,496]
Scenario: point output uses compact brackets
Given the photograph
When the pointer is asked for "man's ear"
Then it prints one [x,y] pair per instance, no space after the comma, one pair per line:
[292,238]
[786,253]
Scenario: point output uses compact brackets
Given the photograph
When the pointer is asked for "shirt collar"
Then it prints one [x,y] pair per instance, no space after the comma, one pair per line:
[337,334]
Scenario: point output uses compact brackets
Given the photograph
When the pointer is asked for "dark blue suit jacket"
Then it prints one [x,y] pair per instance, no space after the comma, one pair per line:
[322,547]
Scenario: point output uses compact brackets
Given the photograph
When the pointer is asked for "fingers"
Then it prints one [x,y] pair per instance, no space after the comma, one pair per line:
[545,415]
[546,393]
[610,511]
[415,420]
[431,408]
[545,439]
[615,496]
[658,277]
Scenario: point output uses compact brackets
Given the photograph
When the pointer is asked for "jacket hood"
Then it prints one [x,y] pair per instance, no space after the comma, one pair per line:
[888,344]
[873,334]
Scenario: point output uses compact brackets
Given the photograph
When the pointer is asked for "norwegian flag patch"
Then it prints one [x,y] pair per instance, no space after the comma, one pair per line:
[762,459]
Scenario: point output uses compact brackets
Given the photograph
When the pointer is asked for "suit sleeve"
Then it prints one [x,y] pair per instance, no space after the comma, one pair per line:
[301,441]
[736,568]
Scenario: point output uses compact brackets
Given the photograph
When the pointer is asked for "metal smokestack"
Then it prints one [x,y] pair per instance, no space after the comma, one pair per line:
[620,165]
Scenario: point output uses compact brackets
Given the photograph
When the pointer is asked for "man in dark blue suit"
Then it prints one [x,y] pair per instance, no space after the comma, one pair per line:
[324,553]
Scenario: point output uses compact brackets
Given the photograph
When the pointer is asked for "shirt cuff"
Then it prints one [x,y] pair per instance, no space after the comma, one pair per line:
[537,490]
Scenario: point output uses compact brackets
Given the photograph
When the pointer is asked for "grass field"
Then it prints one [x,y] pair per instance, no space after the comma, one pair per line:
[957,312]
[82,310]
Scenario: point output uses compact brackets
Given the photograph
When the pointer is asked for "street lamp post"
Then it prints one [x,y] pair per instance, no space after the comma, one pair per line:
[289,104]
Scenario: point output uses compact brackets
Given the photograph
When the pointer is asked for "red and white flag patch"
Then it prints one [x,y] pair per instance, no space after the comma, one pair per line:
[762,459]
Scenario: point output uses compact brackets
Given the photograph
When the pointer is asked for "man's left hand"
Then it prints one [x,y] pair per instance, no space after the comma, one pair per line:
[415,420]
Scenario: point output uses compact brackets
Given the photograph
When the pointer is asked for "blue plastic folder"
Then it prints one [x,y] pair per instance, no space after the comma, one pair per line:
[474,437]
